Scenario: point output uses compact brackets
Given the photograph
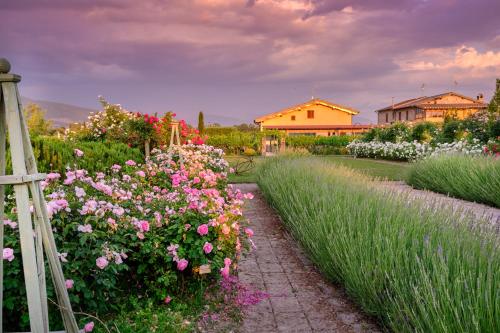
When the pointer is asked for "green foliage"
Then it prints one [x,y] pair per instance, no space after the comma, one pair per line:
[213,130]
[397,132]
[494,106]
[452,130]
[35,119]
[424,131]
[235,142]
[201,123]
[470,178]
[55,155]
[372,135]
[416,269]
[495,129]
[247,127]
[320,145]
[146,317]
[120,234]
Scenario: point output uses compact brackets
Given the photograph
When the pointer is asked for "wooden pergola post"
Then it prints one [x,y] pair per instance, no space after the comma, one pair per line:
[174,134]
[26,181]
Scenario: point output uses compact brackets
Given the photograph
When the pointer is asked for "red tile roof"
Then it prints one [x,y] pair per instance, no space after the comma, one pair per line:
[305,105]
[317,127]
[423,103]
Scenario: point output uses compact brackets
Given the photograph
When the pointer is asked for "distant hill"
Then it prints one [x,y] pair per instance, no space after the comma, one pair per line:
[61,114]
[363,120]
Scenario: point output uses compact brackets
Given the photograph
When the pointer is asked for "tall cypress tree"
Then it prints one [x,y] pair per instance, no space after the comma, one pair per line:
[201,123]
[494,106]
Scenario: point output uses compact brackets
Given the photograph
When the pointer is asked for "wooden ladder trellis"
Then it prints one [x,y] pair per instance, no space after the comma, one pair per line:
[26,180]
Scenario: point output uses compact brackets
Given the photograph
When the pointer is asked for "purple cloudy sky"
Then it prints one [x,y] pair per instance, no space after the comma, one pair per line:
[242,58]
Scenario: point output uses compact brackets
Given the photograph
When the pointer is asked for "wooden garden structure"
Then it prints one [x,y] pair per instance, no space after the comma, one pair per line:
[26,182]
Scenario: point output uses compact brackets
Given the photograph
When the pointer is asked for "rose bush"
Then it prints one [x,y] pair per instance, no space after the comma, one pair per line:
[141,229]
[412,151]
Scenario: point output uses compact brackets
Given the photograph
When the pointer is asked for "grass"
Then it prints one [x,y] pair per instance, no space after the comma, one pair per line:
[374,168]
[470,178]
[415,269]
[189,311]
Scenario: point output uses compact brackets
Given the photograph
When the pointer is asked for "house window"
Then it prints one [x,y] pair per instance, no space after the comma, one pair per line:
[406,115]
[310,114]
[293,117]
[386,117]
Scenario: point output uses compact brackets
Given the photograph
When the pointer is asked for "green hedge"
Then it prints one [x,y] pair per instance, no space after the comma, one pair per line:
[235,142]
[321,145]
[416,269]
[470,178]
[54,155]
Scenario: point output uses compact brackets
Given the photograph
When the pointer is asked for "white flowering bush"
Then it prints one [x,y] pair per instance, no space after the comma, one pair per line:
[412,151]
[142,229]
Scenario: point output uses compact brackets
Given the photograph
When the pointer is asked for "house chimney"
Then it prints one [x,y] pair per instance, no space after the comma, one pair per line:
[480,98]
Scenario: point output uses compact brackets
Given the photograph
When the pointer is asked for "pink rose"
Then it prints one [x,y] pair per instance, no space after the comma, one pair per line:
[168,299]
[203,229]
[141,173]
[196,180]
[69,284]
[8,254]
[78,153]
[145,225]
[225,271]
[130,163]
[207,247]
[249,232]
[101,262]
[89,327]
[182,264]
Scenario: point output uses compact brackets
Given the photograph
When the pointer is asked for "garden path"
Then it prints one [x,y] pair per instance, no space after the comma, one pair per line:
[479,211]
[300,299]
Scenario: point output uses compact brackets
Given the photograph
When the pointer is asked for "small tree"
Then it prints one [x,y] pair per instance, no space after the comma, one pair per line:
[35,119]
[201,123]
[494,106]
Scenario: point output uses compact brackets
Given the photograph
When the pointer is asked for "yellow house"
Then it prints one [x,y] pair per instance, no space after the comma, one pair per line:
[433,108]
[315,117]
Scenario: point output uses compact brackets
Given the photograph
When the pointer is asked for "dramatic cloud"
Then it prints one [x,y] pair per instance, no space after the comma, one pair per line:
[236,59]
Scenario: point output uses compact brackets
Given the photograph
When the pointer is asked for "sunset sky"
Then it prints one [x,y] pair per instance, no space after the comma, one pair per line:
[237,59]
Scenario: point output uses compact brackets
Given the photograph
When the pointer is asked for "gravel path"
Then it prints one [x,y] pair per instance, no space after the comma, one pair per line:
[301,300]
[479,211]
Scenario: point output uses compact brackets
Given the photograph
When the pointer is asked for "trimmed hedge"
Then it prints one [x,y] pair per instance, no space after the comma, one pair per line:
[321,145]
[54,155]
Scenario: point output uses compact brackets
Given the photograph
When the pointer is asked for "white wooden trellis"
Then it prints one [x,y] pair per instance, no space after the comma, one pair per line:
[174,134]
[175,139]
[26,181]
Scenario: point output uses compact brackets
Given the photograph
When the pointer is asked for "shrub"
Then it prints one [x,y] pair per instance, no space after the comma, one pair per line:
[397,132]
[372,135]
[412,151]
[55,155]
[135,230]
[473,178]
[424,131]
[235,142]
[416,269]
[320,145]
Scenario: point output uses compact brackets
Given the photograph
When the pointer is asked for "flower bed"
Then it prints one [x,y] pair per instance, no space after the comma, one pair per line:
[135,229]
[412,151]
[473,178]
[415,268]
